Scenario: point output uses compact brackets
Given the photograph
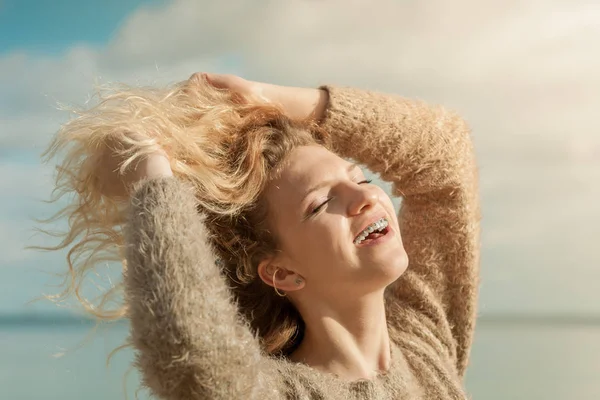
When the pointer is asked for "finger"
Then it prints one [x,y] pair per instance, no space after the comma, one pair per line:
[220,81]
[197,78]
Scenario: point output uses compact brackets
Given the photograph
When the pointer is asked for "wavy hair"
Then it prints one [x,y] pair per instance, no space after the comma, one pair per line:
[228,149]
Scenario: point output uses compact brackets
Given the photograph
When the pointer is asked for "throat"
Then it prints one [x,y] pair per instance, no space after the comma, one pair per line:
[344,347]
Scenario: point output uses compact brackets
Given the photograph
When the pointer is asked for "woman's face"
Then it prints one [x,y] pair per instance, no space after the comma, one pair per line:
[318,207]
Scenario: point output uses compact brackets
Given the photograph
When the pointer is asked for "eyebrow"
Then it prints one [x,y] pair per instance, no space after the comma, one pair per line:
[325,183]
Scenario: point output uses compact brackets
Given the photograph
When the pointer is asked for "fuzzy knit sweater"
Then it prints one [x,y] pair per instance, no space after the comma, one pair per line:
[190,341]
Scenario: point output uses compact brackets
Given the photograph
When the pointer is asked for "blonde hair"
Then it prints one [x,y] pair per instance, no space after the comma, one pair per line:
[226,148]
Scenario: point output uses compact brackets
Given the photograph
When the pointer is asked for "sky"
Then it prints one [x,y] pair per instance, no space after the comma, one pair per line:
[524,74]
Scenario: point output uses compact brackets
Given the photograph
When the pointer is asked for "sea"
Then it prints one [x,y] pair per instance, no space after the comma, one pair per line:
[510,359]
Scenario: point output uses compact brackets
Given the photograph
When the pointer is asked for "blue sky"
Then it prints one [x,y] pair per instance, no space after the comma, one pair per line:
[525,75]
[44,29]
[49,27]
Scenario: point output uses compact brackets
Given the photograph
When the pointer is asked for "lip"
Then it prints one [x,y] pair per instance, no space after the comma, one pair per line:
[371,221]
[382,239]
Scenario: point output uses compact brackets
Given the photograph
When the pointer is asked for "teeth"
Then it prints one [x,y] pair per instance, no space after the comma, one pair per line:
[378,225]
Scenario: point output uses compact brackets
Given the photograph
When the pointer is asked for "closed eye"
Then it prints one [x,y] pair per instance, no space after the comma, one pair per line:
[320,206]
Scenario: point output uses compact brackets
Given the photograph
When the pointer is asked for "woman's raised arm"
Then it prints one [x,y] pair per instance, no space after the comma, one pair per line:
[427,153]
[190,341]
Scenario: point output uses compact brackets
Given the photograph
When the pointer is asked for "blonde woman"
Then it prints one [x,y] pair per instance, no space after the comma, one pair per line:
[260,262]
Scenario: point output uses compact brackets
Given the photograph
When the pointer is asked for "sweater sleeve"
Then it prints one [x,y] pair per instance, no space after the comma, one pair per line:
[427,154]
[190,342]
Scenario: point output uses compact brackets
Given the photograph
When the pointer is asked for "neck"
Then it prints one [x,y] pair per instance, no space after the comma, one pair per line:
[348,338]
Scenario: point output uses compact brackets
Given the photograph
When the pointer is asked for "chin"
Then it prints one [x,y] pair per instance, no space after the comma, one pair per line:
[387,269]
[396,266]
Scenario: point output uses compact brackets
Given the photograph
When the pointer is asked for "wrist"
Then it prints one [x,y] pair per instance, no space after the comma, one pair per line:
[153,166]
[157,165]
[298,103]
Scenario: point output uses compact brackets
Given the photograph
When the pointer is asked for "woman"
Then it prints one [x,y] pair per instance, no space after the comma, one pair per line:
[261,264]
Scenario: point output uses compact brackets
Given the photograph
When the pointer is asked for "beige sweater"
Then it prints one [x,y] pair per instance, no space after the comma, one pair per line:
[190,342]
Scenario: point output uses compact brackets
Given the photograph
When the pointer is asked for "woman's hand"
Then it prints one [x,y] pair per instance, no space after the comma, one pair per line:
[298,103]
[119,185]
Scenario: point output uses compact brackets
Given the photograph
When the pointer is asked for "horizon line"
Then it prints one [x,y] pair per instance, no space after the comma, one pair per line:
[505,319]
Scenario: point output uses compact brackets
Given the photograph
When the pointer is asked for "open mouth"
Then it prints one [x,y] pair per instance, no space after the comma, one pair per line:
[373,232]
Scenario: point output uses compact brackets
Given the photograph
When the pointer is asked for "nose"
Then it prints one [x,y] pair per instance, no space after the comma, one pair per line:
[363,198]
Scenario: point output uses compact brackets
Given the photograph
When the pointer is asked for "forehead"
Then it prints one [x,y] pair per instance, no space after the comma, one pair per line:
[306,166]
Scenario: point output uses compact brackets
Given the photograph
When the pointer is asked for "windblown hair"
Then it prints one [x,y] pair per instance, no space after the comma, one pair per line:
[226,148]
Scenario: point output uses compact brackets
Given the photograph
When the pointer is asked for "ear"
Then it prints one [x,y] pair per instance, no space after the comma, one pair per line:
[273,272]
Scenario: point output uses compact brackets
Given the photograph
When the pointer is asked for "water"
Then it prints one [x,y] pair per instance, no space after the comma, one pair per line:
[512,362]
[529,362]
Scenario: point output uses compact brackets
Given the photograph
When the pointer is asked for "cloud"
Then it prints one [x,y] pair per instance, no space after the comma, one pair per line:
[23,186]
[524,74]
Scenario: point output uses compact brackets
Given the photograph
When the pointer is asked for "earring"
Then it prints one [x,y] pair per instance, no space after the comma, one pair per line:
[275,287]
[298,281]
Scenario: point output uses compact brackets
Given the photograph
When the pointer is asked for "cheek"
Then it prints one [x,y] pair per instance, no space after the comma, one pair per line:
[386,201]
[329,239]
[320,241]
